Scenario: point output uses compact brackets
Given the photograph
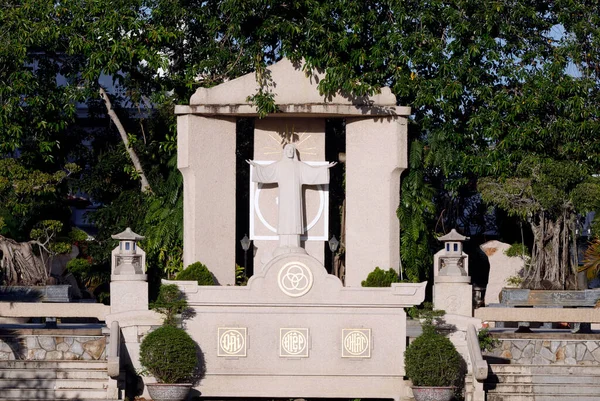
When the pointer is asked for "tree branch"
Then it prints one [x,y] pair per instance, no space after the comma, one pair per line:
[132,155]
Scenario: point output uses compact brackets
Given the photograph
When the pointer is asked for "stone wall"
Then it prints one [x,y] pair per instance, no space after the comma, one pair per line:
[52,347]
[568,349]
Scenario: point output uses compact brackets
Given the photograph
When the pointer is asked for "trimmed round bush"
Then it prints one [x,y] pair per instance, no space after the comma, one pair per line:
[432,360]
[169,354]
[197,272]
[381,278]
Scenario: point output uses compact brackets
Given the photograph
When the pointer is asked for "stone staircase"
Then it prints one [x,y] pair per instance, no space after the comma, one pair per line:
[507,382]
[52,380]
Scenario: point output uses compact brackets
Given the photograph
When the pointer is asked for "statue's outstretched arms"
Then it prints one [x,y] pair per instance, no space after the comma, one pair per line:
[252,162]
[330,165]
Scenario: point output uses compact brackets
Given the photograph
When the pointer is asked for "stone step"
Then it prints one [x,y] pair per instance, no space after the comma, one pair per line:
[53,384]
[61,364]
[540,389]
[538,397]
[45,394]
[545,379]
[52,374]
[546,369]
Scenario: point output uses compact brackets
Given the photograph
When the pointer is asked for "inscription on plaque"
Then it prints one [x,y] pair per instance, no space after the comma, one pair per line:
[356,343]
[232,341]
[293,343]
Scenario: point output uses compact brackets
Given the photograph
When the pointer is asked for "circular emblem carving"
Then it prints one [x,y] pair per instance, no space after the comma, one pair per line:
[356,342]
[293,342]
[232,342]
[452,303]
[295,279]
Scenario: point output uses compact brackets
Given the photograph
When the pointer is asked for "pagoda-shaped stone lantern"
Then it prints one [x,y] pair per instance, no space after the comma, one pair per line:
[452,261]
[128,279]
[452,290]
[128,260]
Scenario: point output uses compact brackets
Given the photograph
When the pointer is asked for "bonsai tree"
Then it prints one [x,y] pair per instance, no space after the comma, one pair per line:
[170,355]
[431,360]
[170,302]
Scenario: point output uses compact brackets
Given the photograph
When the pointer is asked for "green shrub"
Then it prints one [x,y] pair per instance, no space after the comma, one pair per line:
[79,267]
[381,278]
[432,360]
[486,341]
[198,272]
[170,302]
[169,354]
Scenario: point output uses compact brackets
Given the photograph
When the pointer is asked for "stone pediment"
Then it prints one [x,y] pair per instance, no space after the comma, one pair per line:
[299,279]
[292,86]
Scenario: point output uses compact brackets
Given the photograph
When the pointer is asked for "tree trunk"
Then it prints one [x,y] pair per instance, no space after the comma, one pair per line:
[132,155]
[552,266]
[21,264]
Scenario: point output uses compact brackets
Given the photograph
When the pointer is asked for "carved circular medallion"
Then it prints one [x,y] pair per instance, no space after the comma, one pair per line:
[452,303]
[295,279]
[356,342]
[232,342]
[294,342]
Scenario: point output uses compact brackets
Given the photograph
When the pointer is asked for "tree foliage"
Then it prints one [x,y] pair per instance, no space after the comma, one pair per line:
[504,98]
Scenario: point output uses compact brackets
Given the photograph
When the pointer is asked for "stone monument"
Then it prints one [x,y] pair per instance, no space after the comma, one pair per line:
[452,289]
[376,155]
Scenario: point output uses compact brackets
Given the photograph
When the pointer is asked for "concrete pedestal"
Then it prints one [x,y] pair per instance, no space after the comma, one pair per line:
[127,296]
[454,294]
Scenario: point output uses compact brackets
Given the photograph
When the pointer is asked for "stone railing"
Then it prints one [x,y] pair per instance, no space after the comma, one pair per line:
[114,365]
[55,310]
[543,306]
[479,367]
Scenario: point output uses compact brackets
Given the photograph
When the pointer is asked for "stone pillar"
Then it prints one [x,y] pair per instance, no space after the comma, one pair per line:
[309,137]
[376,155]
[206,159]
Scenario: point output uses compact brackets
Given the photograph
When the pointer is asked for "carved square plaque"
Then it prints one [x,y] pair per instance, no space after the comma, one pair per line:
[356,343]
[232,341]
[293,343]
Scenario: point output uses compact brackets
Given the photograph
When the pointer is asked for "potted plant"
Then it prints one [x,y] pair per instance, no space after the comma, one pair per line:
[169,353]
[433,365]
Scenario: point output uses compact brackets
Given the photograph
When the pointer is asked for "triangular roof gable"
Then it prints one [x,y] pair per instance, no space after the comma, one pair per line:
[292,86]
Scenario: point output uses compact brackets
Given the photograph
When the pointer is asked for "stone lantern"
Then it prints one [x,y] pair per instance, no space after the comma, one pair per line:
[452,289]
[128,279]
[452,259]
[128,260]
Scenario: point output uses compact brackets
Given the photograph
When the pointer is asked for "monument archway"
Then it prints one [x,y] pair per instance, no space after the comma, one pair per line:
[376,155]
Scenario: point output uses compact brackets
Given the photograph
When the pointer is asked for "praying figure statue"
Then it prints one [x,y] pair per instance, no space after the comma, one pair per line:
[290,174]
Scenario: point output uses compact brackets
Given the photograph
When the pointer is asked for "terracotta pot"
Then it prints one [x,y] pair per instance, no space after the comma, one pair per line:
[168,392]
[433,393]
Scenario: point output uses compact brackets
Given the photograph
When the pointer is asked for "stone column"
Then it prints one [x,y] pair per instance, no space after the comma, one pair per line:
[206,158]
[376,155]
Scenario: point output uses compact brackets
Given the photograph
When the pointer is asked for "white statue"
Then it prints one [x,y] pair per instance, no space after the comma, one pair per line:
[290,174]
